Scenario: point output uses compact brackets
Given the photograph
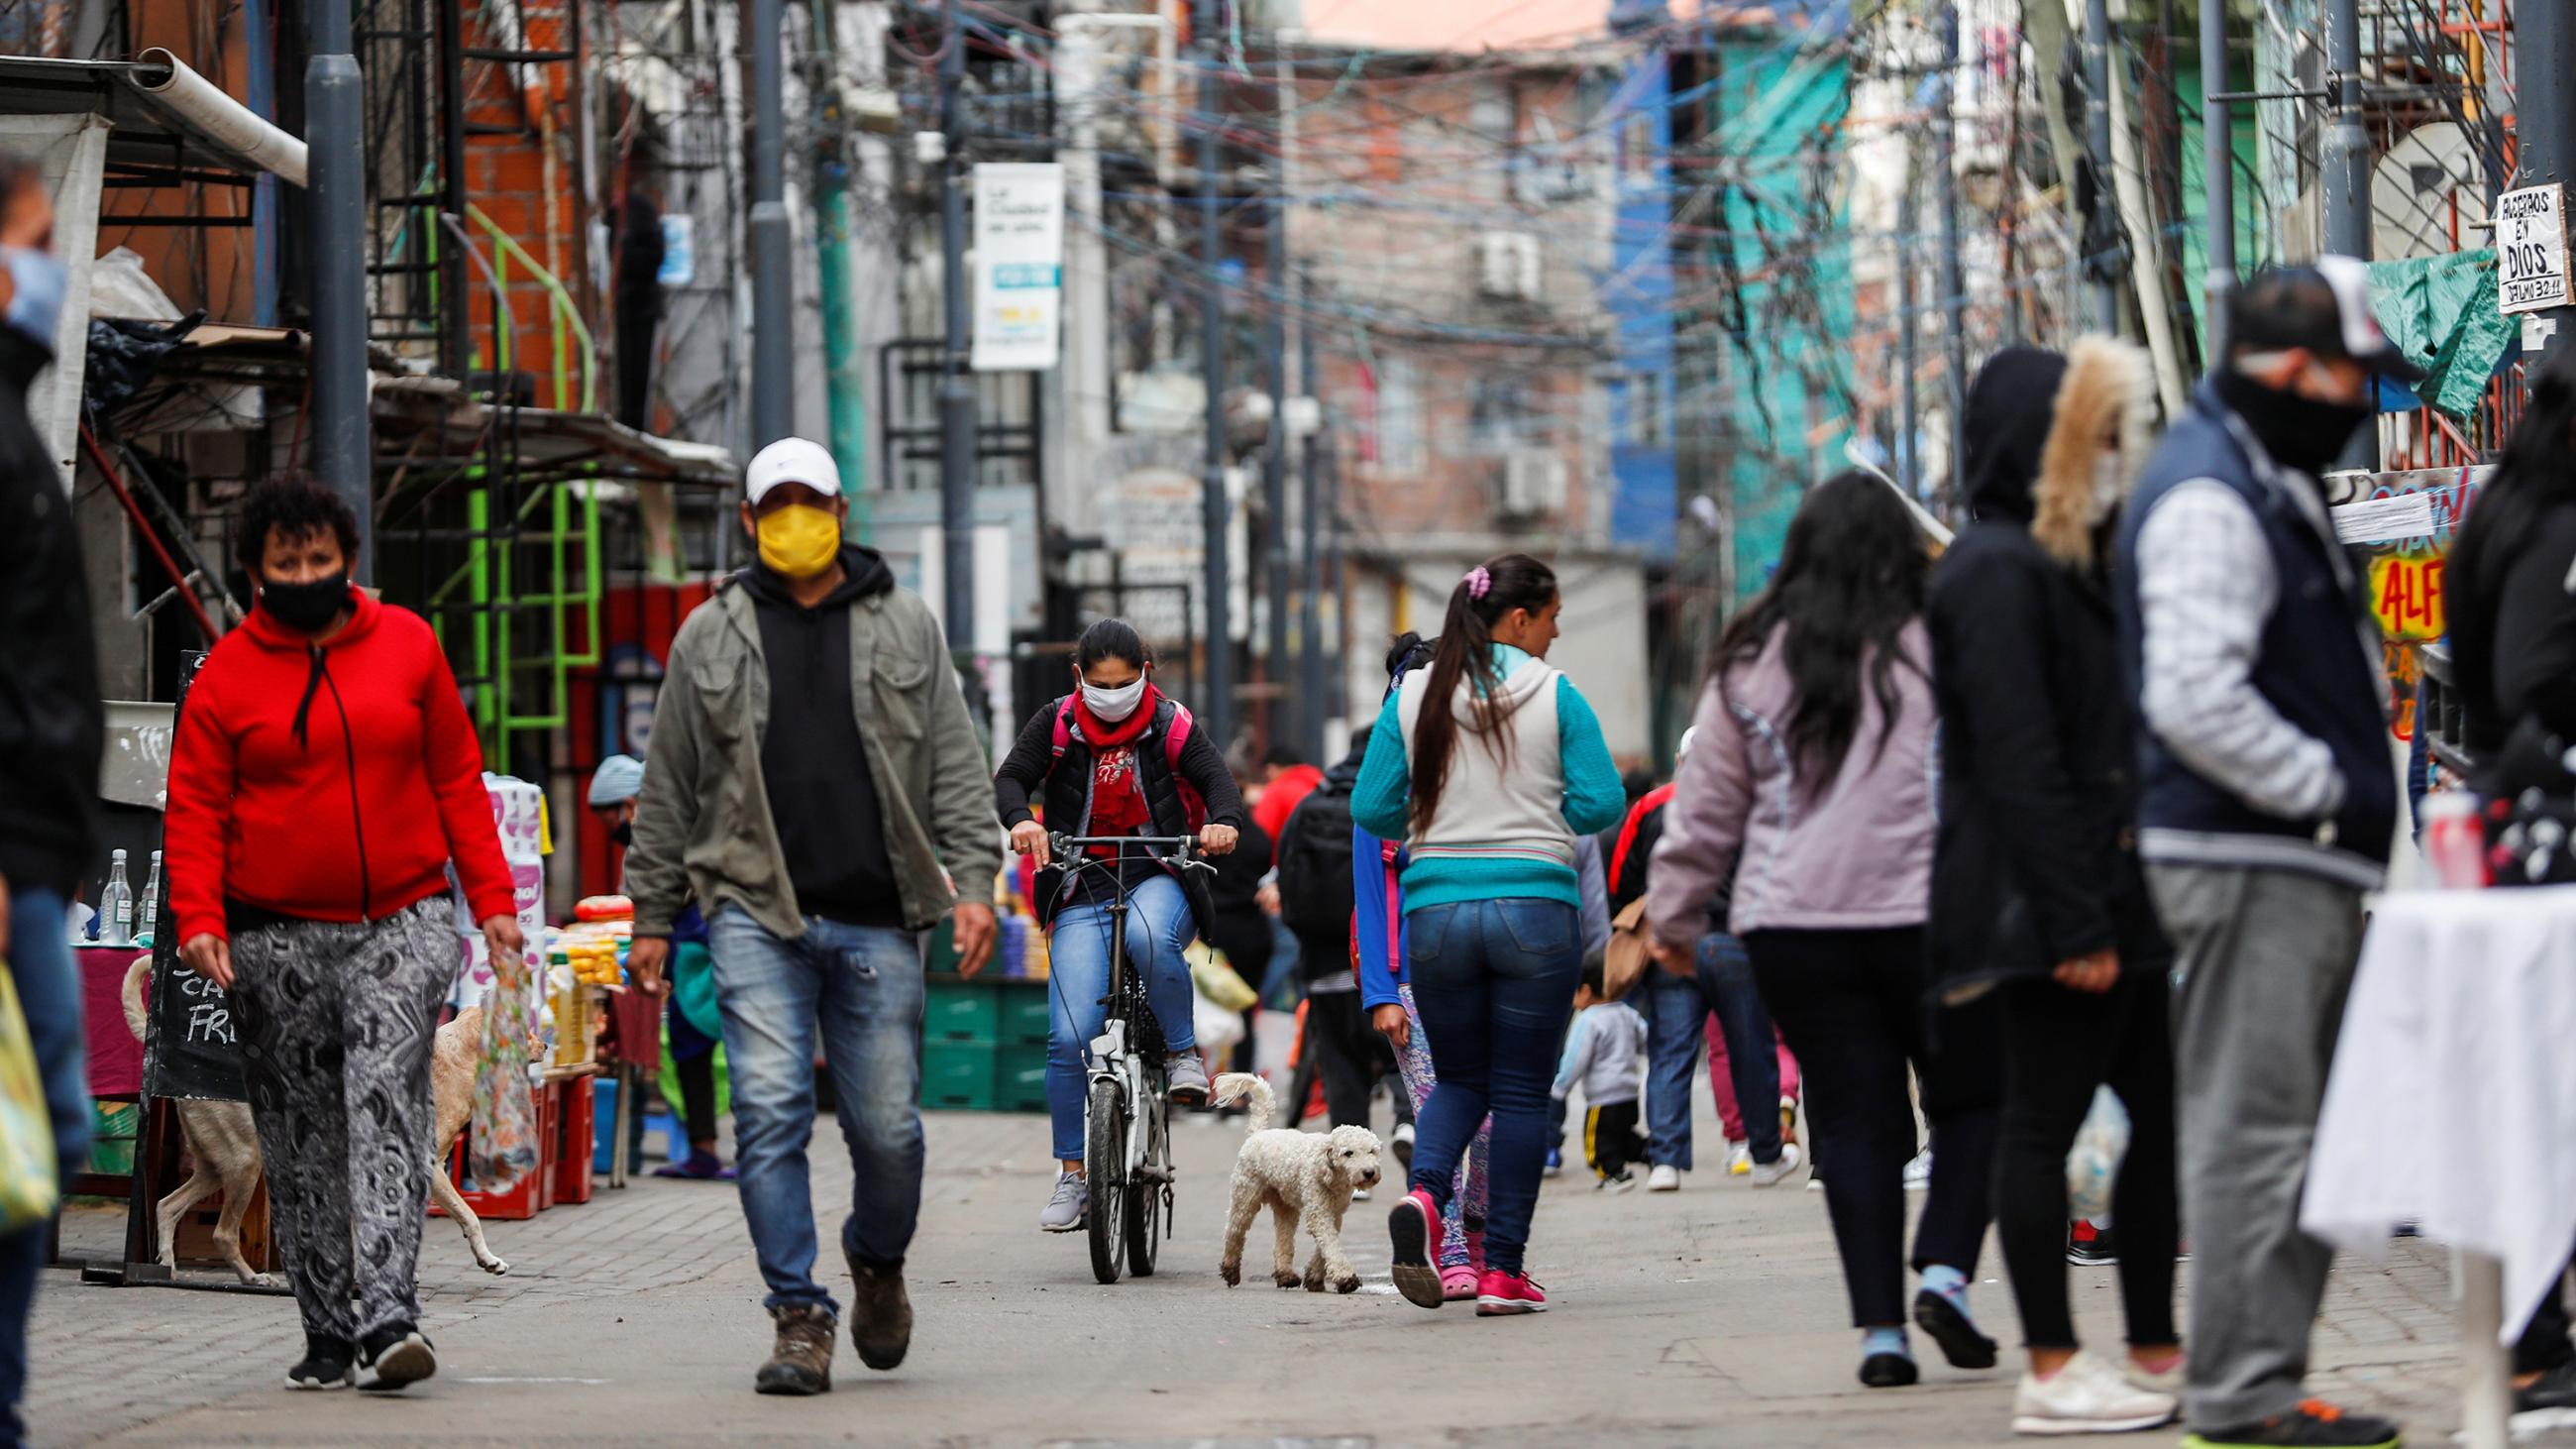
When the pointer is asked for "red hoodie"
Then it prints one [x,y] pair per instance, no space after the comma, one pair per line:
[355,820]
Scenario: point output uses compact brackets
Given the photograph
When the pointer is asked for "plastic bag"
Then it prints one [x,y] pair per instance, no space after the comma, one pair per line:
[504,1131]
[1217,1001]
[2093,1164]
[29,1189]
[1218,982]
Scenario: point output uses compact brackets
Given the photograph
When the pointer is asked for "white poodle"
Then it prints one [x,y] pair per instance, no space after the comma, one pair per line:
[1305,1178]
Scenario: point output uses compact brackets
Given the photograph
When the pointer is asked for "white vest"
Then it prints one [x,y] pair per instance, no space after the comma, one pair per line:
[1489,810]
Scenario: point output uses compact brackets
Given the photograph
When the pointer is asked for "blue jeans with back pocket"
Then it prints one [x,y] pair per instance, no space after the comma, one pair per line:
[1494,984]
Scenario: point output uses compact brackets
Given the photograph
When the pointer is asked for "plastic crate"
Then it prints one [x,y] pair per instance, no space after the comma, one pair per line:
[957,1074]
[576,1138]
[1025,1013]
[961,1011]
[535,1191]
[1019,1076]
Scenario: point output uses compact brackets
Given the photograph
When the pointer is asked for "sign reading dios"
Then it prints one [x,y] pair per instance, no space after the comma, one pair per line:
[2531,249]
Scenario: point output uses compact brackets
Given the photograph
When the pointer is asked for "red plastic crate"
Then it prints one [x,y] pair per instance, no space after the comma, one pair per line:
[572,1144]
[534,1192]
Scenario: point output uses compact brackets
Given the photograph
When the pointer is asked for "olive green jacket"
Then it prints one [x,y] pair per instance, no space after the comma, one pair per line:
[703,825]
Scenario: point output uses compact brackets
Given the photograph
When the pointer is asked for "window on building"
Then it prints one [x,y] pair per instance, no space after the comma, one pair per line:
[1637,147]
[1399,417]
[1646,418]
[1498,414]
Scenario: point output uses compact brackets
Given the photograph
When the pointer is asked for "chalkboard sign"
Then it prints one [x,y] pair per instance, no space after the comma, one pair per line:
[192,1048]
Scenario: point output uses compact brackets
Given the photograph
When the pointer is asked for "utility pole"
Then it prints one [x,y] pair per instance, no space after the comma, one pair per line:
[1954,286]
[2218,177]
[336,193]
[2344,172]
[2097,144]
[2545,36]
[1310,624]
[1274,466]
[844,361]
[1214,513]
[956,385]
[773,260]
[1909,447]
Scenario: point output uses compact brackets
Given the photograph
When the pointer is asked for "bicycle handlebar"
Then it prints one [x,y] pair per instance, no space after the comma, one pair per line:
[1067,849]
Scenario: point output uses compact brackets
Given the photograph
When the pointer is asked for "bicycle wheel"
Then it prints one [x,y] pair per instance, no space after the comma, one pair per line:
[1144,1208]
[1104,1168]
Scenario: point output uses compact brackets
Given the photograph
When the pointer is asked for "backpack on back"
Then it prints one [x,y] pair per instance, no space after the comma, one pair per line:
[1316,895]
[1176,738]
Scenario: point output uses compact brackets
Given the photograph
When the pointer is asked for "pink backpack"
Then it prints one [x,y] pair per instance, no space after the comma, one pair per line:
[1176,737]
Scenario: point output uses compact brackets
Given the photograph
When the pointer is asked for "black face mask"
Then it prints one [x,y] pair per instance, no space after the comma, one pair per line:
[306,608]
[623,832]
[2299,432]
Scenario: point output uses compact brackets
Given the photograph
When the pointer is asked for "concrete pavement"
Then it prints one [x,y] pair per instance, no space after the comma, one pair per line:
[1714,1315]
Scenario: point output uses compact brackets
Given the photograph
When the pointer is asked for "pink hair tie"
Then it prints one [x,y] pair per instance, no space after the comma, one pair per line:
[1479,582]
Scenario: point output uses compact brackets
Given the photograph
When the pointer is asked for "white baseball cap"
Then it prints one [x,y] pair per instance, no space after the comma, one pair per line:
[791,460]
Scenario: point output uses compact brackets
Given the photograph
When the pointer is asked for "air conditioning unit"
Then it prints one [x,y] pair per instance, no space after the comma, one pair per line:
[1507,265]
[1533,483]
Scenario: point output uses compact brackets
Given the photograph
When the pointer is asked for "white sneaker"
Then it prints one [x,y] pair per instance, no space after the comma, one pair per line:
[1768,1174]
[1739,1158]
[2169,1382]
[1918,1173]
[1664,1178]
[2087,1396]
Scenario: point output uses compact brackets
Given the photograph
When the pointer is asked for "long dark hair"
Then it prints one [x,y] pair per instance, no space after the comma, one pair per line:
[2532,477]
[1850,579]
[1112,639]
[1465,654]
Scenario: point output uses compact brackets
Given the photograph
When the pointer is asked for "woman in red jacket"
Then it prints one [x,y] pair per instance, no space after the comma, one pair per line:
[323,777]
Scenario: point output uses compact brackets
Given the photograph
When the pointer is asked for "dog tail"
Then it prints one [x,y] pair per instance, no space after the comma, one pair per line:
[1235,1087]
[135,976]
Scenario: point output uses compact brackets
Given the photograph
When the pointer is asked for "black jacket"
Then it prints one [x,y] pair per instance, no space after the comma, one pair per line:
[52,726]
[1063,785]
[2036,861]
[2512,617]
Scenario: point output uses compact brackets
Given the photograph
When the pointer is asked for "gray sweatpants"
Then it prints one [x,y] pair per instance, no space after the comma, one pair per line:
[336,1028]
[2263,961]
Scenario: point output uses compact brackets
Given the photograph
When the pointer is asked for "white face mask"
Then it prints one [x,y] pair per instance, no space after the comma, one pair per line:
[1114,705]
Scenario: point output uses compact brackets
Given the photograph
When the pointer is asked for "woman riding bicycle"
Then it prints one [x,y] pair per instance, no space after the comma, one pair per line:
[1114,758]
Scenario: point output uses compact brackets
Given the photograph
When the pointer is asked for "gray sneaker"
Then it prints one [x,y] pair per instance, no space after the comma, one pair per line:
[1188,1077]
[1065,1211]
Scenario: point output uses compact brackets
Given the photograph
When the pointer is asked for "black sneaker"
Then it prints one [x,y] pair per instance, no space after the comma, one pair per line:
[2554,1389]
[2312,1425]
[1889,1370]
[1957,1334]
[393,1358]
[2088,1246]
[326,1364]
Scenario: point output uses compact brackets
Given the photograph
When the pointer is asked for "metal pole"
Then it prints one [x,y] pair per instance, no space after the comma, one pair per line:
[2097,143]
[2545,36]
[1954,300]
[336,193]
[1215,513]
[1274,466]
[844,359]
[956,384]
[1909,446]
[1310,581]
[773,261]
[2218,177]
[2344,177]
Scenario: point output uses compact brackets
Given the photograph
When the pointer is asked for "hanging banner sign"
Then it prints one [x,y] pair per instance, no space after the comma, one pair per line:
[1019,265]
[2531,249]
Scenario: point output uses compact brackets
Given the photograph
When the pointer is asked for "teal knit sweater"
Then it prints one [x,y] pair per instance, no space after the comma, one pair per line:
[1594,802]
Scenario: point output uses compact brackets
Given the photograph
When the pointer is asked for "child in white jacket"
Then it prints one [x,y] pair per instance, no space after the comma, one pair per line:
[1606,1053]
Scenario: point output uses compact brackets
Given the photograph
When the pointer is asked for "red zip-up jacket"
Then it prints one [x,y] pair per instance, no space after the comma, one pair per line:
[355,819]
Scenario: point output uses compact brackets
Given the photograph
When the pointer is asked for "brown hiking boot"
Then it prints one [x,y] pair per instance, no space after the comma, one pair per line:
[802,1361]
[880,1315]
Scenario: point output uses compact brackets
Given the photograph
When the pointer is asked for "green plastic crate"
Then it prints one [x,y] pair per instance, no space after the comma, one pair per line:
[1025,1013]
[961,1011]
[1019,1076]
[957,1075]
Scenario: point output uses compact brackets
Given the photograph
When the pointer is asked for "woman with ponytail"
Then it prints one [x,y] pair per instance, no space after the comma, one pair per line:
[1487,764]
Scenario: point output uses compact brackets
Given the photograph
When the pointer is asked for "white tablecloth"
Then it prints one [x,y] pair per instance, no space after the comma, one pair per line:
[2453,1098]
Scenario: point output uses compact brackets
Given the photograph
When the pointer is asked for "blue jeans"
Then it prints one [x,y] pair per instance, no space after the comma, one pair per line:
[1675,1007]
[1159,928]
[48,982]
[1494,984]
[864,985]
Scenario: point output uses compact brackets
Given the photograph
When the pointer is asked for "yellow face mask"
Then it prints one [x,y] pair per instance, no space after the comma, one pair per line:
[799,540]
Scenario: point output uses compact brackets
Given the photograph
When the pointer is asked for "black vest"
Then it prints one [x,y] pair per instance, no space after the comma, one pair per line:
[1068,797]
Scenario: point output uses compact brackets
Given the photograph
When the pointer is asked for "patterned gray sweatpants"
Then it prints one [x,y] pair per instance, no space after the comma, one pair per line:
[336,1026]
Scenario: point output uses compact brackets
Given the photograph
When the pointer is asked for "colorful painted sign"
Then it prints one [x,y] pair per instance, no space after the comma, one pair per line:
[2400,532]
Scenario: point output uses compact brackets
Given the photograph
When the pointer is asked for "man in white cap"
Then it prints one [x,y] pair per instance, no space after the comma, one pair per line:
[818,787]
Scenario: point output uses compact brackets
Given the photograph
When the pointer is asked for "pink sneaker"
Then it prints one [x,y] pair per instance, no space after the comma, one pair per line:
[1413,1228]
[1502,1295]
[1458,1285]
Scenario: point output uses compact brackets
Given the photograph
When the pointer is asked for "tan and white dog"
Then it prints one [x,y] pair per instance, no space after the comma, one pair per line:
[225,1142]
[1306,1180]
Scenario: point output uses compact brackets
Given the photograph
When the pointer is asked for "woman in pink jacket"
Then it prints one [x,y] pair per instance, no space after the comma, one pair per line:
[1812,784]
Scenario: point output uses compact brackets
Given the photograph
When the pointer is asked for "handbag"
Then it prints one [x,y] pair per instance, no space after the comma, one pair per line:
[30,1189]
[1624,962]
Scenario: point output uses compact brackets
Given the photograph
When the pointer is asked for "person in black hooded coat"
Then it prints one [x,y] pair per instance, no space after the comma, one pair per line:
[2037,894]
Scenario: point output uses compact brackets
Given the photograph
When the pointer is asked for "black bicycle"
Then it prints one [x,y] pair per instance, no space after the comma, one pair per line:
[1127,1139]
